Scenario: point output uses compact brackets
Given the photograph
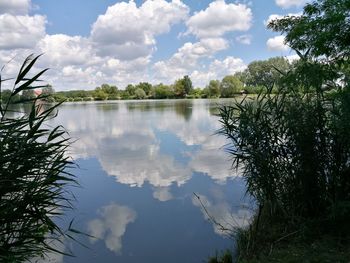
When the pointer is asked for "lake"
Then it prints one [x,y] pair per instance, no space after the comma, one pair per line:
[141,166]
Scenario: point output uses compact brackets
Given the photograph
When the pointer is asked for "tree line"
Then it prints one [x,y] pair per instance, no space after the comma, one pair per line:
[258,75]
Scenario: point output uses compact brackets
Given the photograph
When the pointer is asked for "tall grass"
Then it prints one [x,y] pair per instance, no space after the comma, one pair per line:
[33,174]
[294,150]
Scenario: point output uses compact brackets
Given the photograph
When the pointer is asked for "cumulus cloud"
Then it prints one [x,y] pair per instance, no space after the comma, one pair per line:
[217,69]
[14,7]
[128,32]
[220,18]
[244,39]
[290,3]
[63,50]
[21,31]
[111,226]
[277,44]
[292,58]
[276,17]
[186,59]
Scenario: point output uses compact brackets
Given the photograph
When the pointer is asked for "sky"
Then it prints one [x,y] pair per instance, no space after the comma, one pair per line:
[86,43]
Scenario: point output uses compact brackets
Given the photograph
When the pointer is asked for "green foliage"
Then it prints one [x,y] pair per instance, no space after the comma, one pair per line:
[187,84]
[214,89]
[322,29]
[140,93]
[267,72]
[130,90]
[179,88]
[163,92]
[6,96]
[110,90]
[230,85]
[48,93]
[183,87]
[293,147]
[145,86]
[33,175]
[99,94]
[27,95]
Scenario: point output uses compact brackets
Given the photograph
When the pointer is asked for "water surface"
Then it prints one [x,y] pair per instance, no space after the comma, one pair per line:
[140,164]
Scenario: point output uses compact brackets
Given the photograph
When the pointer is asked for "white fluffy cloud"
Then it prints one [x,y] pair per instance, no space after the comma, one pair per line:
[217,69]
[276,16]
[128,32]
[21,31]
[122,42]
[220,18]
[63,50]
[244,39]
[14,7]
[111,226]
[290,3]
[186,59]
[277,44]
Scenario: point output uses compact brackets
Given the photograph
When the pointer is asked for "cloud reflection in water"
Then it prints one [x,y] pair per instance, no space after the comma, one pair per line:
[111,226]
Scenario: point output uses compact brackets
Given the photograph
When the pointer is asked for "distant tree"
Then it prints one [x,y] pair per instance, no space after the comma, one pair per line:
[242,76]
[145,86]
[6,95]
[214,88]
[196,93]
[266,72]
[205,92]
[110,90]
[140,93]
[187,84]
[179,88]
[130,89]
[48,91]
[162,91]
[99,94]
[230,85]
[28,94]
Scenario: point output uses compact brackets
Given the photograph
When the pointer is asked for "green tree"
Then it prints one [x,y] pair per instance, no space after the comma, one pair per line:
[187,82]
[99,94]
[145,86]
[110,90]
[140,93]
[6,95]
[183,87]
[230,85]
[179,88]
[162,91]
[130,90]
[214,88]
[322,29]
[48,92]
[266,73]
[28,94]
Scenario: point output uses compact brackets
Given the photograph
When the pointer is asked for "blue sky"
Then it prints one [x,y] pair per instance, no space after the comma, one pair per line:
[87,43]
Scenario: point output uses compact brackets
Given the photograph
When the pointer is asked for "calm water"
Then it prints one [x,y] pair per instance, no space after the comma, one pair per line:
[140,164]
